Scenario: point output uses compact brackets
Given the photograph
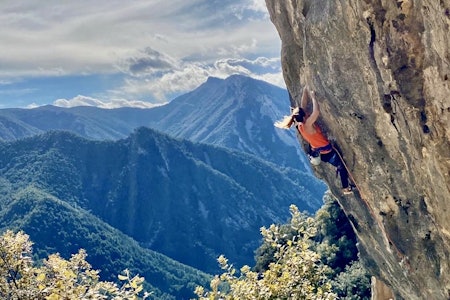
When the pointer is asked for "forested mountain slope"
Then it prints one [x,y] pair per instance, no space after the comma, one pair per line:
[236,113]
[165,193]
[56,226]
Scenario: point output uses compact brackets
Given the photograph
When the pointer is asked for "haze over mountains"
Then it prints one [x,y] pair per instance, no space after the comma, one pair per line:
[58,227]
[236,113]
[109,181]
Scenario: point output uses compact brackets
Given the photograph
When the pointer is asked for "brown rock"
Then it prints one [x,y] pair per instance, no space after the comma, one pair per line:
[381,72]
[380,291]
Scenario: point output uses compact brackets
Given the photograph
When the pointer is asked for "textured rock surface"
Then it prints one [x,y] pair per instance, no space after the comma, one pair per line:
[381,72]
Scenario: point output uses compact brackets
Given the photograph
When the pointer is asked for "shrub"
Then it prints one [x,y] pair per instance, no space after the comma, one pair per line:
[55,278]
[296,273]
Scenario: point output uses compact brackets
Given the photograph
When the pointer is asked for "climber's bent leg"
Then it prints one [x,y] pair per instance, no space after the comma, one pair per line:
[334,159]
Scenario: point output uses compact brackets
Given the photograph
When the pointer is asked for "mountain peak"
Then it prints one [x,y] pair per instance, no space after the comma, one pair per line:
[234,79]
[238,113]
[238,77]
[244,80]
[213,79]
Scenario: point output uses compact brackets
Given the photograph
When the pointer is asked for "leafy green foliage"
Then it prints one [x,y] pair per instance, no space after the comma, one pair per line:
[353,283]
[336,244]
[335,237]
[296,273]
[320,252]
[56,278]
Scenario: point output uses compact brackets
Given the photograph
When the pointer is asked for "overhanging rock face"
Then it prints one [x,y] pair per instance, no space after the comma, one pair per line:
[381,72]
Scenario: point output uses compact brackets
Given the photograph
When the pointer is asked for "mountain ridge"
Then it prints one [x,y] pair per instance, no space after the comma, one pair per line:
[237,113]
[153,177]
[150,183]
[55,226]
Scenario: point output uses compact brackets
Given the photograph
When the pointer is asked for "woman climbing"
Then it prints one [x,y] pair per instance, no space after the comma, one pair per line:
[321,148]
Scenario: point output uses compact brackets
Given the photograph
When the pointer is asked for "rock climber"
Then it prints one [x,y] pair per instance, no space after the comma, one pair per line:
[321,148]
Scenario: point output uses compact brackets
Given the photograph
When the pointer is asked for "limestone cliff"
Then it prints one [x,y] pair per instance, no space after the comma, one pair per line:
[381,72]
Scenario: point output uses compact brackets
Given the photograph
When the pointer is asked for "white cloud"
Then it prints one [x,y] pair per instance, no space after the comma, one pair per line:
[32,105]
[77,36]
[160,47]
[186,76]
[273,78]
[5,82]
[258,5]
[108,104]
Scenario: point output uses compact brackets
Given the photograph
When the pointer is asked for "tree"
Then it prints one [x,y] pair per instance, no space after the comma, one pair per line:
[56,278]
[296,272]
[335,242]
[335,236]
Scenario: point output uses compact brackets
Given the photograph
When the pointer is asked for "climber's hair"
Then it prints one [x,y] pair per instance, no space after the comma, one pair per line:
[285,123]
[297,114]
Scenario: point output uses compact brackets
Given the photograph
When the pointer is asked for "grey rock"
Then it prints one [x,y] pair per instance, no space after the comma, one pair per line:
[381,71]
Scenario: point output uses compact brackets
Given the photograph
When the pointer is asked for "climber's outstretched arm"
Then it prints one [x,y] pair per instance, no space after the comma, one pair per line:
[316,110]
[304,100]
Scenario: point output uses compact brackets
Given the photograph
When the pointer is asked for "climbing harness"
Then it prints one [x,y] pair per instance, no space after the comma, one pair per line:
[314,154]
[400,255]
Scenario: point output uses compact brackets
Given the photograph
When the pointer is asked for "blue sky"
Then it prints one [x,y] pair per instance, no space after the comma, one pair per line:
[112,53]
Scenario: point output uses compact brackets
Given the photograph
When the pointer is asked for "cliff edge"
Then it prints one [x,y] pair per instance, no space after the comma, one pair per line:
[381,72]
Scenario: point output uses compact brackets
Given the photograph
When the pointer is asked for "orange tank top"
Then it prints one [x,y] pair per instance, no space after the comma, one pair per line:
[316,140]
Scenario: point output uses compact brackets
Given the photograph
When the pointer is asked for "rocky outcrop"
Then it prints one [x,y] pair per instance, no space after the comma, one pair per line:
[381,73]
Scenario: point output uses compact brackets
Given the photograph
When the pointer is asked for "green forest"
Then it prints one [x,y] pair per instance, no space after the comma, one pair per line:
[307,258]
[133,203]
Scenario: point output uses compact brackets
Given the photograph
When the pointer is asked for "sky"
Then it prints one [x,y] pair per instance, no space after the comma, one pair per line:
[140,53]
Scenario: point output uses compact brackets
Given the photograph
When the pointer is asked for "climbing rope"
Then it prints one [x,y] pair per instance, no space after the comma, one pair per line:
[402,257]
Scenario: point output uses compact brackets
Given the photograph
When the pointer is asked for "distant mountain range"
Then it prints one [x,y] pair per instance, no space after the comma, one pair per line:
[200,183]
[236,113]
[189,201]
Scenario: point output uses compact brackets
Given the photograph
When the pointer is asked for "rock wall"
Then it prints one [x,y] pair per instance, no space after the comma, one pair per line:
[381,72]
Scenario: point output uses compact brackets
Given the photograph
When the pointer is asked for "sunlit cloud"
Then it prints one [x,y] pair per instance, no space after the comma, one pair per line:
[107,104]
[258,5]
[92,38]
[153,49]
[32,105]
[186,76]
